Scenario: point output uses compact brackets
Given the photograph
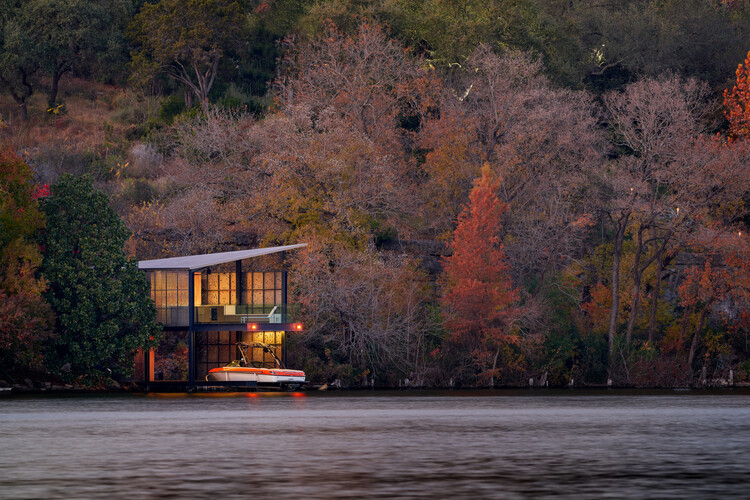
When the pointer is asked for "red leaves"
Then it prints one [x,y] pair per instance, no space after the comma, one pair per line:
[479,298]
[737,110]
[41,192]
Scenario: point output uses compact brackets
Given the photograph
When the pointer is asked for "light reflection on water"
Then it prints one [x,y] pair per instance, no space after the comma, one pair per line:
[375,446]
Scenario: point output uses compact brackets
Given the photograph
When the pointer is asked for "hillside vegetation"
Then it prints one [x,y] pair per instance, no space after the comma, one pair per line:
[491,192]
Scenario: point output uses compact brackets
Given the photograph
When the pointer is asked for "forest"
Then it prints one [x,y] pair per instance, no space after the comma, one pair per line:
[492,193]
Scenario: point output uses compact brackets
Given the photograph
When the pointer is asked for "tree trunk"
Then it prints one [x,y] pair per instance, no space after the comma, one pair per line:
[655,295]
[635,300]
[24,111]
[617,253]
[57,74]
[52,97]
[696,335]
[494,366]
[21,98]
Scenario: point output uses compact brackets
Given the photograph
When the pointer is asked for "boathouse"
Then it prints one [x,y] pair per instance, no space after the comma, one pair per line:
[207,304]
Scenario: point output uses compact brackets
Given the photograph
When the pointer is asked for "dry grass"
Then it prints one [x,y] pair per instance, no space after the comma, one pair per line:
[88,107]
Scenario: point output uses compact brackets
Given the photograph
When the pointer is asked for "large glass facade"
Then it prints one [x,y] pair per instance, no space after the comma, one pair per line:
[217,297]
[215,349]
[258,298]
[223,298]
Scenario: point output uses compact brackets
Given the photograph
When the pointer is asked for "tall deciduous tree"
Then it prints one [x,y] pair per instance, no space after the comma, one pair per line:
[104,313]
[24,315]
[186,40]
[368,308]
[479,299]
[654,121]
[366,78]
[737,102]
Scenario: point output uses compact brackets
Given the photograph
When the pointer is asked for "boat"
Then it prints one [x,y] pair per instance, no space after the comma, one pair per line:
[244,370]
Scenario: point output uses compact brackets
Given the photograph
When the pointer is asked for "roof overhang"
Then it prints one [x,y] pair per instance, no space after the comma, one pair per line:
[193,262]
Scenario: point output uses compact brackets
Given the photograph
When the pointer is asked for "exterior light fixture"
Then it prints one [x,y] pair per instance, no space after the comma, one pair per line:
[252,326]
[298,327]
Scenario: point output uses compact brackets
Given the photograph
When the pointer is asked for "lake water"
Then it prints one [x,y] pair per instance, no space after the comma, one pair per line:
[375,445]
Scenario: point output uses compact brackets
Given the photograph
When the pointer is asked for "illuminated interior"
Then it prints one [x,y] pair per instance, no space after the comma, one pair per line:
[217,298]
[208,303]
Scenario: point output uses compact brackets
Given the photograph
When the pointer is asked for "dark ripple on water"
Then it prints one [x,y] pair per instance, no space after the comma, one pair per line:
[376,446]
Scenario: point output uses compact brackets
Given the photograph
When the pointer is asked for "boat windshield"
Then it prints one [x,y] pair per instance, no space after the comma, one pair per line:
[246,361]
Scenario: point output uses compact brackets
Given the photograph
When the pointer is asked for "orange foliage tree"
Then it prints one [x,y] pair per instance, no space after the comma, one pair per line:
[724,282]
[479,300]
[24,315]
[737,102]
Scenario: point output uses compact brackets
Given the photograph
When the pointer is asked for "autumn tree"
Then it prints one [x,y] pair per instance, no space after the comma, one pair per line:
[185,40]
[717,286]
[654,120]
[368,309]
[737,102]
[25,318]
[101,299]
[365,77]
[544,143]
[479,300]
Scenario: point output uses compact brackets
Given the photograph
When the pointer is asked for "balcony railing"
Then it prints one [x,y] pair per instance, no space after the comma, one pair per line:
[245,313]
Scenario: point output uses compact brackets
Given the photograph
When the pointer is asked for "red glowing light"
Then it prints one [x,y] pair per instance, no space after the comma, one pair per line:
[298,326]
[252,326]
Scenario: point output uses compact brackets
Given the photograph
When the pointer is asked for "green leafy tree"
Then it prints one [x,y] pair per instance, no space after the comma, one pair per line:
[17,65]
[104,313]
[64,33]
[50,37]
[185,40]
[24,315]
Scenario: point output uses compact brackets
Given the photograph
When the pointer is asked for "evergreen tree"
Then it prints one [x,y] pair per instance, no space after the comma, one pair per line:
[104,313]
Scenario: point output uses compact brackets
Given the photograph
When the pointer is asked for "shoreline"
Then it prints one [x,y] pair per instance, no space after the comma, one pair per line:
[743,389]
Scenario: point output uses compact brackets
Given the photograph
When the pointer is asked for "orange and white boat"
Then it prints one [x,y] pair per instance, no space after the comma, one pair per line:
[244,370]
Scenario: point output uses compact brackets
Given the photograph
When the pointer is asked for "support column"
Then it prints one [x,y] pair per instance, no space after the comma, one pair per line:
[191,330]
[285,318]
[238,282]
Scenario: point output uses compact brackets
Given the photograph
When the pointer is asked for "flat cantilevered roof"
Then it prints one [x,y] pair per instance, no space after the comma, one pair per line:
[193,262]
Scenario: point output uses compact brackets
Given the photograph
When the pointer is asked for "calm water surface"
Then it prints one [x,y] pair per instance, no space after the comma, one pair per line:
[454,445]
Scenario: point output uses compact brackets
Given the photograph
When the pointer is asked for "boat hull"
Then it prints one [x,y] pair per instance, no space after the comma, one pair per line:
[262,376]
